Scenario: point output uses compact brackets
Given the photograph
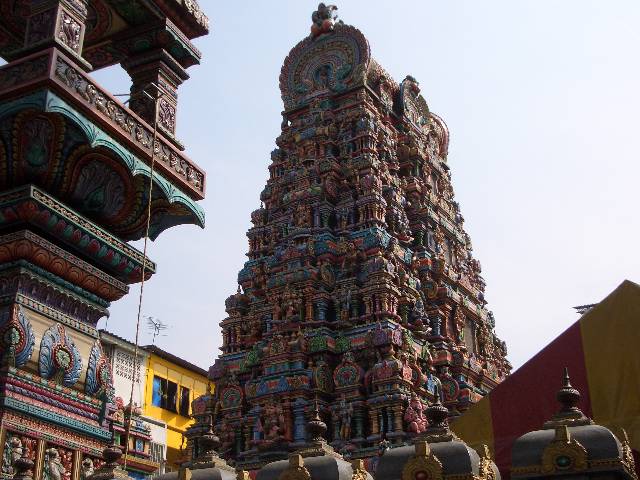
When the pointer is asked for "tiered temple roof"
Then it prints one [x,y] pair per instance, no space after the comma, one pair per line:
[360,289]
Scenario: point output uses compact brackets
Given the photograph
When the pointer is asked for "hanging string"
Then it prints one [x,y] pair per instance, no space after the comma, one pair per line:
[144,269]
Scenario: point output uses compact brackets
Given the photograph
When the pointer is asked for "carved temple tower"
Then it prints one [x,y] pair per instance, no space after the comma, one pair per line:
[76,167]
[360,290]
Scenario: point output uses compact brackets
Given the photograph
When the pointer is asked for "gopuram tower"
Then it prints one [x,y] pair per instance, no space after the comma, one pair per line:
[76,167]
[360,292]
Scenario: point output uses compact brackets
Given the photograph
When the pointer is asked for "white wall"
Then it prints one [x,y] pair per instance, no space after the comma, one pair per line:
[123,373]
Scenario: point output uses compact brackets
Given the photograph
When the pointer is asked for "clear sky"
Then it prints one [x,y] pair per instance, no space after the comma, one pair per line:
[541,98]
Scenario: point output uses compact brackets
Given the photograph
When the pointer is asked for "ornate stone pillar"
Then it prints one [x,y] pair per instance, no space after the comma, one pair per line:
[289,420]
[390,420]
[322,308]
[77,464]
[309,310]
[397,418]
[359,422]
[3,439]
[299,431]
[436,325]
[336,429]
[59,23]
[239,438]
[373,417]
[40,448]
[156,104]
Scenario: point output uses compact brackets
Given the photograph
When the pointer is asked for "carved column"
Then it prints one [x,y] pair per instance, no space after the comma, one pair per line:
[299,431]
[247,436]
[155,105]
[289,420]
[40,448]
[59,23]
[3,439]
[336,426]
[322,308]
[358,417]
[309,310]
[373,417]
[397,417]
[77,464]
[390,418]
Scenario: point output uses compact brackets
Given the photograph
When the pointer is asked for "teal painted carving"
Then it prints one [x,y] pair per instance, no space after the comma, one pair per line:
[99,381]
[59,357]
[17,338]
[184,210]
[52,417]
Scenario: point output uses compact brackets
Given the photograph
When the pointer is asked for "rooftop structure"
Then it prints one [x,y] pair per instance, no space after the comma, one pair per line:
[571,445]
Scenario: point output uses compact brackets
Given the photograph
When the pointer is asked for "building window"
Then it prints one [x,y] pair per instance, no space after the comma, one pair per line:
[157,455]
[184,401]
[165,393]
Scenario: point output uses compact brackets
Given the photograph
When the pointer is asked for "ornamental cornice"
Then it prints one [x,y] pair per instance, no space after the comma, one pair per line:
[35,272]
[54,314]
[143,464]
[31,205]
[55,71]
[42,400]
[34,428]
[61,420]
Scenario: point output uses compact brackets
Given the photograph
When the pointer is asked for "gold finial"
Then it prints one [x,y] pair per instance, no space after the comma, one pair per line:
[242,475]
[184,473]
[563,434]
[359,472]
[484,451]
[422,449]
[296,460]
[423,461]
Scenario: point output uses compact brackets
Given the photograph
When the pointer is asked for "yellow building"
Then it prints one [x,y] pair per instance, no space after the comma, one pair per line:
[171,385]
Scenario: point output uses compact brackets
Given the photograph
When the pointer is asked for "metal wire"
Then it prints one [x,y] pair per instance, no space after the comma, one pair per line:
[135,375]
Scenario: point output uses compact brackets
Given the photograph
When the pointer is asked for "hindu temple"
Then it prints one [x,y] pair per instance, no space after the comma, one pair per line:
[81,176]
[360,292]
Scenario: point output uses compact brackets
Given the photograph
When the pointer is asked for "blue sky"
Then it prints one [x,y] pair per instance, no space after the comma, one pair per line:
[542,102]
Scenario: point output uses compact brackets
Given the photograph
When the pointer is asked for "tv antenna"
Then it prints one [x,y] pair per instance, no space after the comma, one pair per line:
[157,326]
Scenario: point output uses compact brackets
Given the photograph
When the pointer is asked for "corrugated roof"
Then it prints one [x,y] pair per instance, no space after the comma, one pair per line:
[177,360]
[161,353]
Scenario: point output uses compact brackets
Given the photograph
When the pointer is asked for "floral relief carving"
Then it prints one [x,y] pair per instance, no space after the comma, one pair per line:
[167,115]
[139,133]
[69,31]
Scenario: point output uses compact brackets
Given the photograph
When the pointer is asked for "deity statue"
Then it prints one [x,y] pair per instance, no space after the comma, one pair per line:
[272,422]
[87,469]
[485,347]
[460,322]
[53,467]
[343,415]
[12,451]
[414,415]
